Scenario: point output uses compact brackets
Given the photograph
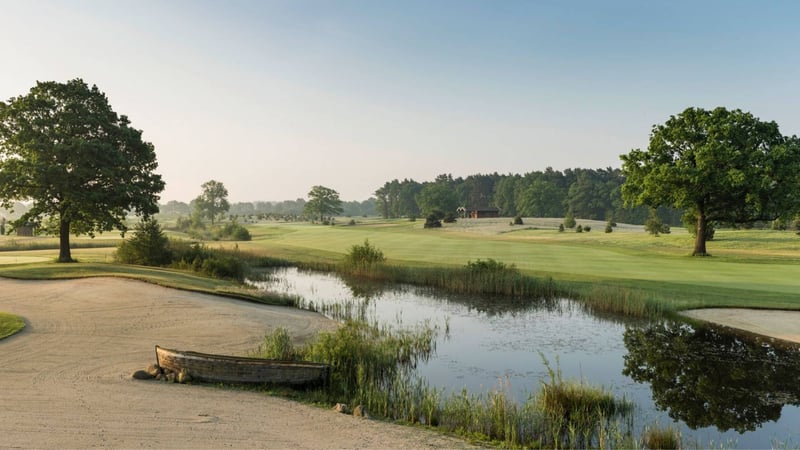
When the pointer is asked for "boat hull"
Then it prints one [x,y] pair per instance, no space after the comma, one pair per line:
[233,369]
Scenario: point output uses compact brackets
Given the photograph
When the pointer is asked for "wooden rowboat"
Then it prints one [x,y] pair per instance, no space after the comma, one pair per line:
[235,369]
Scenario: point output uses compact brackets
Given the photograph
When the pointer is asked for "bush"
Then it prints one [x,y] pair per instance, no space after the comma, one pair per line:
[518,220]
[363,256]
[587,228]
[213,263]
[569,220]
[449,218]
[277,345]
[490,265]
[609,227]
[561,228]
[654,225]
[147,247]
[579,229]
[234,231]
[432,221]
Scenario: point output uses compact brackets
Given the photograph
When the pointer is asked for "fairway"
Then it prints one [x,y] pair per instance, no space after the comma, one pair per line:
[753,268]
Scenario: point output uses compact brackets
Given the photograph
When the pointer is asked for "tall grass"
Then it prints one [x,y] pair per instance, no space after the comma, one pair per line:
[373,366]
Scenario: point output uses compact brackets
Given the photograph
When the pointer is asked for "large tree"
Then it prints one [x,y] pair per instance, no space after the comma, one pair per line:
[322,202]
[83,167]
[720,165]
[213,201]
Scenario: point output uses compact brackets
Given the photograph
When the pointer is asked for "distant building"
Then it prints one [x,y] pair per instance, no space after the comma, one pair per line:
[484,213]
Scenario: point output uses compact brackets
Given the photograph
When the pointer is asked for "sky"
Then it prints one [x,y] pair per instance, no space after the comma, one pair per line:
[273,97]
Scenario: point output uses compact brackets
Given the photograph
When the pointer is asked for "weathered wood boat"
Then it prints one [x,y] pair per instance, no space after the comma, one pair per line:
[235,369]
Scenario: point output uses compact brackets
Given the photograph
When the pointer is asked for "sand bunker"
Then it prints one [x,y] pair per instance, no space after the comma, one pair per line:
[66,378]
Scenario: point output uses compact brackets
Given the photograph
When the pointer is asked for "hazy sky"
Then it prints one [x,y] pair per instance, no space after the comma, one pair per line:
[273,97]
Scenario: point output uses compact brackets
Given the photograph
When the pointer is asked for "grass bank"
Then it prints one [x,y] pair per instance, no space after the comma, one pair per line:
[750,268]
[172,278]
[10,324]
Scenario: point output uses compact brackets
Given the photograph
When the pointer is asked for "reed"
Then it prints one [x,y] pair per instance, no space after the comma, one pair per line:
[601,298]
[373,366]
[656,437]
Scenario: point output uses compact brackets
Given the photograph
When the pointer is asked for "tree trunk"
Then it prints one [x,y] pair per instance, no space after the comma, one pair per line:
[700,237]
[64,254]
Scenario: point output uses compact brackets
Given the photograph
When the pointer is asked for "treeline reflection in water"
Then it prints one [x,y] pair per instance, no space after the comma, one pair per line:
[710,376]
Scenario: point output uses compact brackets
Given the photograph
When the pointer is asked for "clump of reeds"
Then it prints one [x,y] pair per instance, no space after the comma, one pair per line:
[373,366]
[575,414]
[277,345]
[621,300]
[655,437]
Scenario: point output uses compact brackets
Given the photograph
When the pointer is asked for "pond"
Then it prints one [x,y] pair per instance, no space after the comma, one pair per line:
[720,387]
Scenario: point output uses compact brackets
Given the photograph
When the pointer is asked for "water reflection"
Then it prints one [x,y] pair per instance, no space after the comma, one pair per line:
[705,376]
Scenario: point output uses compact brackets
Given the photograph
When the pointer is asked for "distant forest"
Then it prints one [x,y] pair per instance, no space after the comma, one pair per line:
[588,193]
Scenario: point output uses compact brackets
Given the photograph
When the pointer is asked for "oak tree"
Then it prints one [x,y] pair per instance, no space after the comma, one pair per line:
[213,201]
[720,165]
[322,202]
[82,166]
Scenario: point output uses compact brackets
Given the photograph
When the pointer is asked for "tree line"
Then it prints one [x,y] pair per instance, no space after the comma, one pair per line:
[594,194]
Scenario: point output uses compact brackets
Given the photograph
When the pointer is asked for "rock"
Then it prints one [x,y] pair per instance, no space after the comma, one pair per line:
[154,370]
[183,376]
[341,408]
[142,375]
[360,411]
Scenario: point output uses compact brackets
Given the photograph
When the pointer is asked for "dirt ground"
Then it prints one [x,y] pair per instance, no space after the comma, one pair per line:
[778,324]
[65,380]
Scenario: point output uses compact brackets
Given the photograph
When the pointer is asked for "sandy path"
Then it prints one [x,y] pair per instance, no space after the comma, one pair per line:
[65,380]
[778,324]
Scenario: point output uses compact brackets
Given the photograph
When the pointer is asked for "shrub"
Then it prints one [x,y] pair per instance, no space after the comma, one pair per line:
[518,220]
[569,220]
[579,229]
[363,256]
[490,265]
[654,225]
[609,227]
[432,221]
[449,218]
[561,227]
[587,228]
[277,345]
[213,263]
[147,247]
[234,231]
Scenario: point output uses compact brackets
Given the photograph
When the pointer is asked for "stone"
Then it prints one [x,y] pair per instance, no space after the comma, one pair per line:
[341,408]
[183,376]
[142,375]
[360,411]
[154,370]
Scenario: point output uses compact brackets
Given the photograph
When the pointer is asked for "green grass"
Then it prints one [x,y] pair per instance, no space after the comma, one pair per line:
[160,276]
[10,324]
[750,268]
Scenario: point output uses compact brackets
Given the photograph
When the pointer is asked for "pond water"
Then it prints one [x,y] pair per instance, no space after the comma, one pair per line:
[719,387]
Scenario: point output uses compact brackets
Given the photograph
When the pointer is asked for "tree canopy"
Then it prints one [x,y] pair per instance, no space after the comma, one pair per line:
[83,167]
[213,201]
[719,165]
[323,202]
